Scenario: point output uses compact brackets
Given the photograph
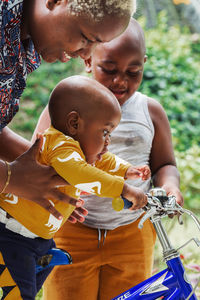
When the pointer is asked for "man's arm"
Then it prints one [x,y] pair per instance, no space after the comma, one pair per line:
[162,160]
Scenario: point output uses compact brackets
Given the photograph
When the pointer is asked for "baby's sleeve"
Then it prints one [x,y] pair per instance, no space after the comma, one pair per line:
[113,164]
[69,162]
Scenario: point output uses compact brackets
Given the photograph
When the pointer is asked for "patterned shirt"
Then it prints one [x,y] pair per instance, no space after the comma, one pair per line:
[64,154]
[16,62]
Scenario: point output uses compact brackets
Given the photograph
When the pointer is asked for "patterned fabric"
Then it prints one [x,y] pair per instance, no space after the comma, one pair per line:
[64,154]
[16,62]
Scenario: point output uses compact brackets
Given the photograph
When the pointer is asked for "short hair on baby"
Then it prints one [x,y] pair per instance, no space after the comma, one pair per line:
[82,94]
[97,9]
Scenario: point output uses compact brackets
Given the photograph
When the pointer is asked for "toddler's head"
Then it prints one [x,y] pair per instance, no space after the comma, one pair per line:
[84,109]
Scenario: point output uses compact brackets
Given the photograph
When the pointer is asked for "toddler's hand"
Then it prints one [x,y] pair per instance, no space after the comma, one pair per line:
[134,195]
[134,172]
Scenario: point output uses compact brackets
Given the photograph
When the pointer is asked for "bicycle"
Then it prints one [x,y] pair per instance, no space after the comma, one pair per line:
[169,284]
[172,282]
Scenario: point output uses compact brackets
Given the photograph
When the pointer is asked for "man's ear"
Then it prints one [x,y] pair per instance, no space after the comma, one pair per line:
[88,64]
[72,122]
[50,4]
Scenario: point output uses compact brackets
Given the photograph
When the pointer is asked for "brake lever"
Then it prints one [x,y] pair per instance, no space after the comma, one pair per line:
[151,212]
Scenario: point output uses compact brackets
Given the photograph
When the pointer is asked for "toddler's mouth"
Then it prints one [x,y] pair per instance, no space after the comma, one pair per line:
[101,154]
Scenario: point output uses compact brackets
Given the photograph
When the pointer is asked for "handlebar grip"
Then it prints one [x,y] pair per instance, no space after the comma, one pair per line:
[127,204]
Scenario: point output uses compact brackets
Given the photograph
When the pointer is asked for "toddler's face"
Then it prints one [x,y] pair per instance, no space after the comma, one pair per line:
[119,66]
[94,135]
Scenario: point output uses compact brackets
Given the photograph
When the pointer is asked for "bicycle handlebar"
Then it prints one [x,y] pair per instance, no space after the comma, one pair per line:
[160,205]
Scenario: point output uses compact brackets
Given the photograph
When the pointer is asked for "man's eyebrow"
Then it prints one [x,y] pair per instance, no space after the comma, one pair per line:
[97,39]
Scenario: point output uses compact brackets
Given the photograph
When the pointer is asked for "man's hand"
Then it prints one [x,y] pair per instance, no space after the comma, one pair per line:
[78,215]
[38,183]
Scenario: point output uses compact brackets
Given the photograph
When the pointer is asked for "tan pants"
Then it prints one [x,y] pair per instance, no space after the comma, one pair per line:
[102,272]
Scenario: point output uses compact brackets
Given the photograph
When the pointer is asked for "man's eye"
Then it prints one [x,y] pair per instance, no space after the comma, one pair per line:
[85,37]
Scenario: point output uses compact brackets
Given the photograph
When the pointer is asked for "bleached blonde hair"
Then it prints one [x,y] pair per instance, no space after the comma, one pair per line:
[97,9]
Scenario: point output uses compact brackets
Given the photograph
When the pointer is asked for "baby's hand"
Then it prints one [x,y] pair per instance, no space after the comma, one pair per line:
[134,172]
[134,195]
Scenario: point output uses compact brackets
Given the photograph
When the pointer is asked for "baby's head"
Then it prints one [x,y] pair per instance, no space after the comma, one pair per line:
[119,64]
[84,109]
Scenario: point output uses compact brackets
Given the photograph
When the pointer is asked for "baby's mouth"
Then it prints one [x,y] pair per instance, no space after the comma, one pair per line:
[102,153]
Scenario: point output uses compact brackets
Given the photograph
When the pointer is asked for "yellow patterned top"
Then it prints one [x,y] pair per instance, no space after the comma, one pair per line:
[64,154]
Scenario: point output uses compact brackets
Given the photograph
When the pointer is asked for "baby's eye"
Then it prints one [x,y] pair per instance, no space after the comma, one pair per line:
[105,133]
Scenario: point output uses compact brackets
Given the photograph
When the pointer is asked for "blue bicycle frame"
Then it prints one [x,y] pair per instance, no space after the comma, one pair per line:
[171,283]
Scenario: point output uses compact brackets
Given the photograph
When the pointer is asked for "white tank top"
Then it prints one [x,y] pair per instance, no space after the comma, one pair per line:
[132,141]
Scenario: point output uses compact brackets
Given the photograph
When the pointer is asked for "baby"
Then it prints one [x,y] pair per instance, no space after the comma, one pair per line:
[83,114]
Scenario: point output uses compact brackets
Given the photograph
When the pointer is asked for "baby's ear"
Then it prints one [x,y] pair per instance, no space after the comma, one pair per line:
[72,123]
[88,65]
[145,58]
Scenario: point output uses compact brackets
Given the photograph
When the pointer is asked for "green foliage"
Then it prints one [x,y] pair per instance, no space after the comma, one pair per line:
[188,163]
[172,77]
[40,83]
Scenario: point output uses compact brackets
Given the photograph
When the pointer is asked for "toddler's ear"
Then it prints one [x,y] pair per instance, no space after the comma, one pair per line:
[145,58]
[88,65]
[72,122]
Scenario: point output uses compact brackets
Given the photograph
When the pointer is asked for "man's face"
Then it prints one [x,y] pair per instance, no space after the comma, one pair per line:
[118,65]
[61,34]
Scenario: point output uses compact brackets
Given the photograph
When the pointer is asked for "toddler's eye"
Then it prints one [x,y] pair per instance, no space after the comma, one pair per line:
[105,133]
[111,72]
[134,74]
